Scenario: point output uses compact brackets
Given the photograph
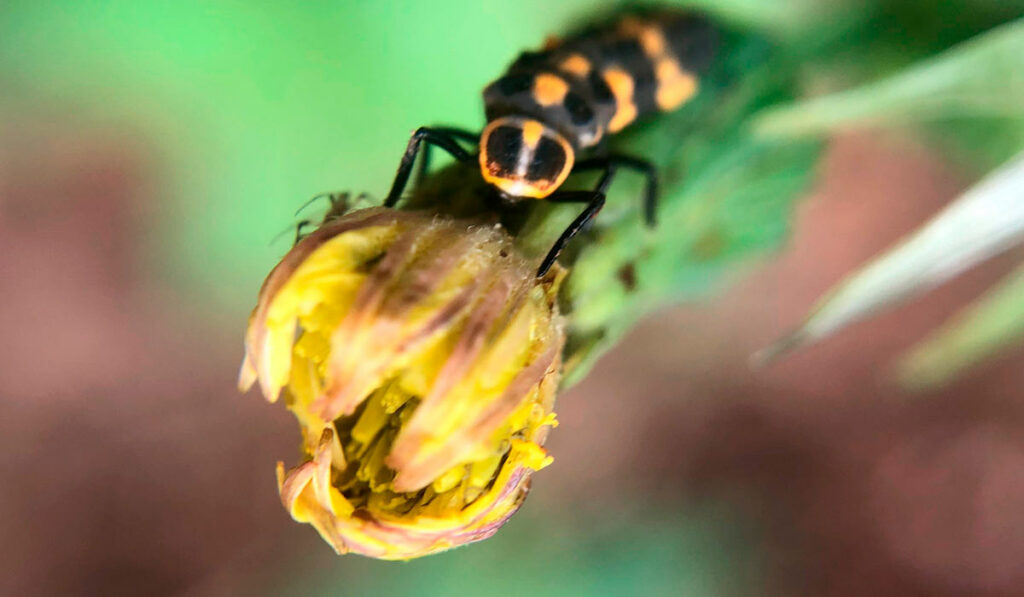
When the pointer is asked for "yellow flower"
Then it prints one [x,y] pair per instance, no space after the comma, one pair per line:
[421,357]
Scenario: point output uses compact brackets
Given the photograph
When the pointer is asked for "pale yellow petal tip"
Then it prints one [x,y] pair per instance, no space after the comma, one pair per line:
[271,393]
[246,375]
[421,357]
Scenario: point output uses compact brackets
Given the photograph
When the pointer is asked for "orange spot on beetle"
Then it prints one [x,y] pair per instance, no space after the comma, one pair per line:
[549,89]
[675,86]
[622,87]
[652,41]
[575,64]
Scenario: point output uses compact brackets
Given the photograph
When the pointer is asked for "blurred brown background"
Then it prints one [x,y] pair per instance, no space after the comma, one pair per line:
[132,465]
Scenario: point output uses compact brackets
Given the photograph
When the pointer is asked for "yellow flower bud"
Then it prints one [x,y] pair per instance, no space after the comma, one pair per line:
[420,356]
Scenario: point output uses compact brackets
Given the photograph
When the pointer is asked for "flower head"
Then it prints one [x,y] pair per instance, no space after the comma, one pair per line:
[421,358]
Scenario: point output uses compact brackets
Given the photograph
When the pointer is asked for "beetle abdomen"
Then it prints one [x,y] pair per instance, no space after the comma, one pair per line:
[607,76]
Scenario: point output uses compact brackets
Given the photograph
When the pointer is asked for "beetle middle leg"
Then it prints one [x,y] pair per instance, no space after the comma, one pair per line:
[595,201]
[611,163]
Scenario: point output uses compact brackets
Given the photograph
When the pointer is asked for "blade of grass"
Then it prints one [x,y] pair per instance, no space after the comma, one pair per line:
[986,220]
[992,323]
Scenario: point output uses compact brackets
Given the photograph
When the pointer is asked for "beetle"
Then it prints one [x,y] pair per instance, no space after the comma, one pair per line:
[559,103]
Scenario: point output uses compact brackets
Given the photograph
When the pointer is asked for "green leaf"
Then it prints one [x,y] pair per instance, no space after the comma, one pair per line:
[727,197]
[783,18]
[982,77]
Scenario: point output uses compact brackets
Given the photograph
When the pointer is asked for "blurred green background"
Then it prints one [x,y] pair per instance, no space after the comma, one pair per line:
[245,110]
[152,155]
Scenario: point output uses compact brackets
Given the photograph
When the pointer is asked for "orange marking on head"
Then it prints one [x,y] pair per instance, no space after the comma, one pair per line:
[549,89]
[576,64]
[532,132]
[621,85]
[675,86]
[551,42]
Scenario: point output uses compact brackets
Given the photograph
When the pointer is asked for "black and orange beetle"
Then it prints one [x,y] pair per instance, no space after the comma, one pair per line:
[554,104]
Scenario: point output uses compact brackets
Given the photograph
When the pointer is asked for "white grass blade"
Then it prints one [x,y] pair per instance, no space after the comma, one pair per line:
[986,220]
